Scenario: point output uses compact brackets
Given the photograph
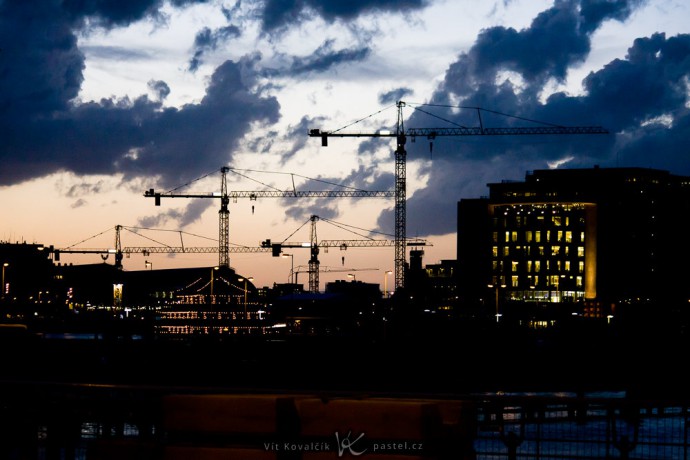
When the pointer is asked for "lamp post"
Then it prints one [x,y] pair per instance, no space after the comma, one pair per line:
[292,267]
[498,313]
[4,266]
[148,264]
[245,292]
[385,282]
[352,275]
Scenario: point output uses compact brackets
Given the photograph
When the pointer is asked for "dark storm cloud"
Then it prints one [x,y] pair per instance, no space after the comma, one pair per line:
[325,57]
[394,95]
[278,14]
[208,40]
[641,99]
[117,13]
[557,38]
[44,129]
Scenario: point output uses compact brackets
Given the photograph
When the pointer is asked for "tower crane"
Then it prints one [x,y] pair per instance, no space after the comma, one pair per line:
[120,251]
[314,246]
[224,196]
[401,134]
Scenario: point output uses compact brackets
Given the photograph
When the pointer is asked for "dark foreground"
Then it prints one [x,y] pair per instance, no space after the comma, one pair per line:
[460,358]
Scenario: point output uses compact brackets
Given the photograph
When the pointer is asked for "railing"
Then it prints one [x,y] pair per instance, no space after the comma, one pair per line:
[581,428]
[69,421]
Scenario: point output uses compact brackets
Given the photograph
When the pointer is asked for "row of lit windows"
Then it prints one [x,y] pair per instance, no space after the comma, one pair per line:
[175,330]
[536,295]
[539,236]
[209,315]
[534,281]
[536,266]
[537,251]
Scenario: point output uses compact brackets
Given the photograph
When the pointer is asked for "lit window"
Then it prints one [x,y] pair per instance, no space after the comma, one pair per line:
[537,237]
[567,250]
[568,236]
[513,236]
[537,265]
[555,250]
[578,281]
[580,251]
[582,236]
[495,237]
[548,236]
[529,266]
[557,221]
[560,235]
[507,237]
[514,266]
[581,267]
[494,265]
[567,221]
[528,236]
[541,250]
[567,265]
[506,251]
[514,281]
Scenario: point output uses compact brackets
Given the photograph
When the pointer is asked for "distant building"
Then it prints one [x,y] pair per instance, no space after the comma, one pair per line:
[27,276]
[594,238]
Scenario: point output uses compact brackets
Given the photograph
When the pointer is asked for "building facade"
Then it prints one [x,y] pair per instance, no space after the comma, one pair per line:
[594,238]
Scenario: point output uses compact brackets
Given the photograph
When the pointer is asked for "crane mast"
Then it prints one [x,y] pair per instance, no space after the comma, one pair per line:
[314,258]
[224,221]
[400,201]
[401,135]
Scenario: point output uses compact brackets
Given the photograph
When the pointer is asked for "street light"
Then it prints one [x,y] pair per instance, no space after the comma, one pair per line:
[498,314]
[245,292]
[385,282]
[352,275]
[148,264]
[292,267]
[5,265]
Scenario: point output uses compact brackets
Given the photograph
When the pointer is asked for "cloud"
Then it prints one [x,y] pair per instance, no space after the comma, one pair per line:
[279,14]
[187,216]
[86,188]
[324,58]
[79,203]
[209,40]
[160,89]
[46,129]
[641,99]
[394,95]
[109,14]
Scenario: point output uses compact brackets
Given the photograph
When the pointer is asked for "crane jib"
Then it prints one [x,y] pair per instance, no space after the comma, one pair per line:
[464,131]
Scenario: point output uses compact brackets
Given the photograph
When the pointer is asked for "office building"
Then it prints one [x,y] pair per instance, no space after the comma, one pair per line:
[595,238]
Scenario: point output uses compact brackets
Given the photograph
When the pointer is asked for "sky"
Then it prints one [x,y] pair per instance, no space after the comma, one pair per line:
[101,100]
